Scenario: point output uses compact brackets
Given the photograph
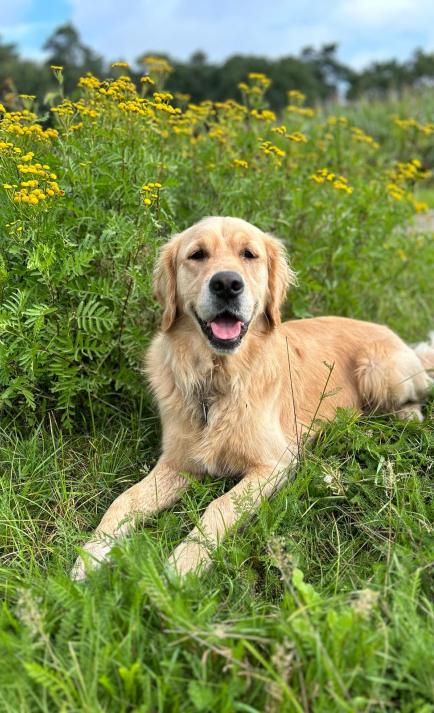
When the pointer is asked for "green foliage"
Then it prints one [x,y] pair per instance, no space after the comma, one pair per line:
[323,602]
[78,245]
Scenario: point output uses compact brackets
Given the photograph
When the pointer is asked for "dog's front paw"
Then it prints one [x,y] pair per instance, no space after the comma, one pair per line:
[94,553]
[189,557]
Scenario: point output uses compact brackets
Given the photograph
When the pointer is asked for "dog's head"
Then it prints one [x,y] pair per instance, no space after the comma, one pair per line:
[224,274]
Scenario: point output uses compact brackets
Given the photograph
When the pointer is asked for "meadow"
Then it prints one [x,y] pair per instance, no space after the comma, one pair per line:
[324,602]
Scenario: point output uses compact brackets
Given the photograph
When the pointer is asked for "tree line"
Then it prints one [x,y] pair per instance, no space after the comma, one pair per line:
[317,73]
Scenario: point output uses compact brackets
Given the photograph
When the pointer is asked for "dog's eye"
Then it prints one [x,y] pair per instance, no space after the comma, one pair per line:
[198,255]
[248,254]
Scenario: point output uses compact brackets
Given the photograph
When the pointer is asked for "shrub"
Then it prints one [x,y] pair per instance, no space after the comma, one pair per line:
[84,207]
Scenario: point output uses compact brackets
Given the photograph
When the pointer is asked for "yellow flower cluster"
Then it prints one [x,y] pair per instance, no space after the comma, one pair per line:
[301,110]
[419,206]
[398,194]
[146,79]
[410,171]
[9,147]
[279,130]
[34,130]
[359,135]
[89,82]
[264,115]
[37,169]
[150,193]
[134,106]
[297,136]
[231,110]
[240,163]
[21,123]
[270,149]
[337,120]
[122,65]
[296,100]
[157,65]
[296,97]
[426,129]
[259,78]
[36,195]
[218,132]
[340,183]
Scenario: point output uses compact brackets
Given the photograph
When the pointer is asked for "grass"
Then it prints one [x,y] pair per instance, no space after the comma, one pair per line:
[323,602]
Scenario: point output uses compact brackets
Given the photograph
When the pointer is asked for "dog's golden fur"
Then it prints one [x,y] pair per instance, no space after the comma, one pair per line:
[244,413]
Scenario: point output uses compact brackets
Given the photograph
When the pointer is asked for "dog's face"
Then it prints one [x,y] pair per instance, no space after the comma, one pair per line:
[223,273]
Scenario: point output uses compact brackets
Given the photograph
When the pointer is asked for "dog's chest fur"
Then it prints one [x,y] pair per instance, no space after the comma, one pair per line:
[215,415]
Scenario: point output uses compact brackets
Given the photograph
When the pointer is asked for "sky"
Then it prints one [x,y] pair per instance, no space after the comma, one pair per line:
[365,30]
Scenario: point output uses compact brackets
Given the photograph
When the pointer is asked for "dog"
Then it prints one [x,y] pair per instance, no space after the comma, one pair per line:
[238,390]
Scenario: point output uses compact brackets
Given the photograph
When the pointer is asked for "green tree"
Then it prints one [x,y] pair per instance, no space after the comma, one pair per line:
[66,49]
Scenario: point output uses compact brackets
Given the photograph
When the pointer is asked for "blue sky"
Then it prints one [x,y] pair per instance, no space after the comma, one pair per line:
[366,30]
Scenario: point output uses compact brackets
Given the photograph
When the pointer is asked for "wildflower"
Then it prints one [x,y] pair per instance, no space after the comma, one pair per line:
[123,65]
[240,163]
[56,68]
[296,96]
[265,115]
[269,149]
[89,82]
[150,193]
[297,136]
[419,206]
[340,183]
[395,191]
[333,479]
[365,602]
[260,78]
[359,135]
[279,129]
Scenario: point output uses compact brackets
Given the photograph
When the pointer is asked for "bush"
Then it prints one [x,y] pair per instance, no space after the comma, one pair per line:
[84,207]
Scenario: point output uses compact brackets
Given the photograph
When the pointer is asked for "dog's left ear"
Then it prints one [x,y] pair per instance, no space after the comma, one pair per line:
[165,283]
[280,277]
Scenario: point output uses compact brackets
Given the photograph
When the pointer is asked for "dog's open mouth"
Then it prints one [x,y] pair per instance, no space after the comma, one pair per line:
[224,331]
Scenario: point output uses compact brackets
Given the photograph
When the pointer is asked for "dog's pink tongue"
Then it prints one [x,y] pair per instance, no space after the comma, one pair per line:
[226,327]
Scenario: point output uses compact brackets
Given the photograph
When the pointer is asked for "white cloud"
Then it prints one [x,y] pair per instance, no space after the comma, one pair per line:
[180,27]
[364,29]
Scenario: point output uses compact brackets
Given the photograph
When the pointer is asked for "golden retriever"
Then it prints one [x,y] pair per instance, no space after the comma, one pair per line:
[237,390]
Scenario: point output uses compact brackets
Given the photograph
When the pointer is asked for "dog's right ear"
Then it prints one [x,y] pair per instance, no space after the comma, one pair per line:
[165,283]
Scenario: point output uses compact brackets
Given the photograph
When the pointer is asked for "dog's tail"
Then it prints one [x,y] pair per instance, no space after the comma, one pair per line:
[425,352]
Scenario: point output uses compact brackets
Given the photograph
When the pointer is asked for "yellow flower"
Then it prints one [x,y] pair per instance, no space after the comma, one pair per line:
[297,136]
[295,95]
[124,65]
[240,163]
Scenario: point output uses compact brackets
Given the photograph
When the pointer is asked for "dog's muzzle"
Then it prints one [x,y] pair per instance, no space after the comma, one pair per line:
[224,321]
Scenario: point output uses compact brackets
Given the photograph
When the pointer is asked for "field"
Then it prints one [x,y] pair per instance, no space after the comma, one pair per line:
[324,601]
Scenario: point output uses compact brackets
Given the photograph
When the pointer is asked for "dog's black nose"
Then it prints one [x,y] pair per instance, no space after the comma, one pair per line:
[226,284]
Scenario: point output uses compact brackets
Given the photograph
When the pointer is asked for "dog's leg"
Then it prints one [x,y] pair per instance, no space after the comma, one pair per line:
[393,379]
[222,514]
[159,490]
